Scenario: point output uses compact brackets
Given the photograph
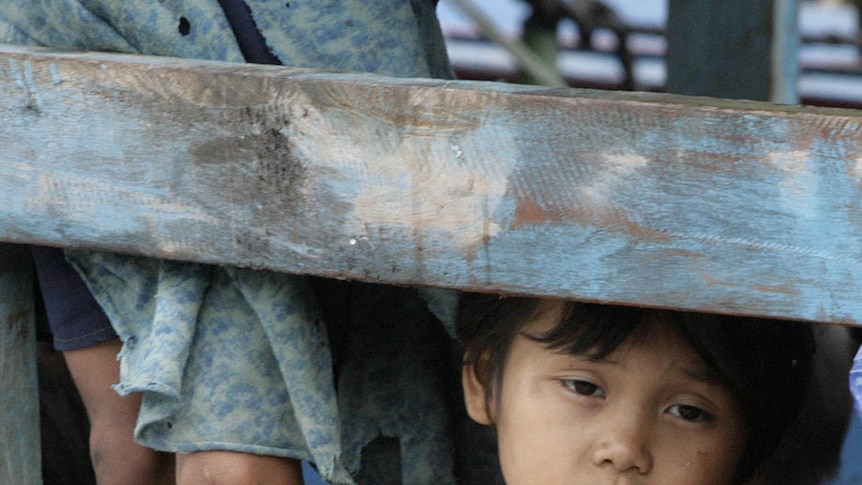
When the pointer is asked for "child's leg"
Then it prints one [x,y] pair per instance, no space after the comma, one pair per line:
[231,468]
[117,459]
[90,346]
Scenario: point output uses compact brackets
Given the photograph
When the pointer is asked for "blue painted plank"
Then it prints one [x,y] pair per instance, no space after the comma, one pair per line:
[19,400]
[635,198]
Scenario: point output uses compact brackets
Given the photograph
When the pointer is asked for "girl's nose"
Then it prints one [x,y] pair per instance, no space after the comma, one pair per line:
[624,447]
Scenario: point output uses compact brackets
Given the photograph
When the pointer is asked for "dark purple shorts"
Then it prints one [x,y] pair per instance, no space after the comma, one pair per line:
[75,319]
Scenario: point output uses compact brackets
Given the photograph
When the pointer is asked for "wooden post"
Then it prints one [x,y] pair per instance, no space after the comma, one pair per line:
[785,52]
[732,49]
[20,459]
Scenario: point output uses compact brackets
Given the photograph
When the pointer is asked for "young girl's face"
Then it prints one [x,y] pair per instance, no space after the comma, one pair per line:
[649,413]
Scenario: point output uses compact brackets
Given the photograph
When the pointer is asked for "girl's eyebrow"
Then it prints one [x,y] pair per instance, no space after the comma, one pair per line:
[703,374]
[590,357]
[697,373]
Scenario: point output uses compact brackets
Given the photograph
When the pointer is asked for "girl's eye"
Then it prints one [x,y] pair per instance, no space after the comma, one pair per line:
[689,413]
[584,388]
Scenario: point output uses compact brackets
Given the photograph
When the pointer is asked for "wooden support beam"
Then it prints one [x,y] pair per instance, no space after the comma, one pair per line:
[633,198]
[20,458]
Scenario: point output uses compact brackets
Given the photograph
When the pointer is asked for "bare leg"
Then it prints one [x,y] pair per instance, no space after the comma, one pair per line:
[117,459]
[230,468]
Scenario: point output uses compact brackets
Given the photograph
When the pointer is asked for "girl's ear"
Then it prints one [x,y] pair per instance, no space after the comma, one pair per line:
[475,396]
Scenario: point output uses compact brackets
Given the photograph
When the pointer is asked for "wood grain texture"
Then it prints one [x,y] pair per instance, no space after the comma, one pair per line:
[20,459]
[677,202]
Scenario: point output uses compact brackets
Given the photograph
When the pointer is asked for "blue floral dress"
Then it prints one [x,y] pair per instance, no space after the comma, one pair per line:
[255,361]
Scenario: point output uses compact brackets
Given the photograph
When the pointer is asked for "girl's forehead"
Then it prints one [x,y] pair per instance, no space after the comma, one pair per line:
[657,330]
[546,317]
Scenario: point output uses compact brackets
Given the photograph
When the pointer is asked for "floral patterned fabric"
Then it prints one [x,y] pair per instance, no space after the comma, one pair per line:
[856,381]
[256,361]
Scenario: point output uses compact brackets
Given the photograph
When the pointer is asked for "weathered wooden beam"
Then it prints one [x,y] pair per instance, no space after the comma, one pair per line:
[733,49]
[20,459]
[644,199]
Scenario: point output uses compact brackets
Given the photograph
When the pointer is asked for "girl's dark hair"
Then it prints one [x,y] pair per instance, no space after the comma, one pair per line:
[766,363]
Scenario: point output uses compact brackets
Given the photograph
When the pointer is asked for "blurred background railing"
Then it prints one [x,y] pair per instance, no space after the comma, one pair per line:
[591,55]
